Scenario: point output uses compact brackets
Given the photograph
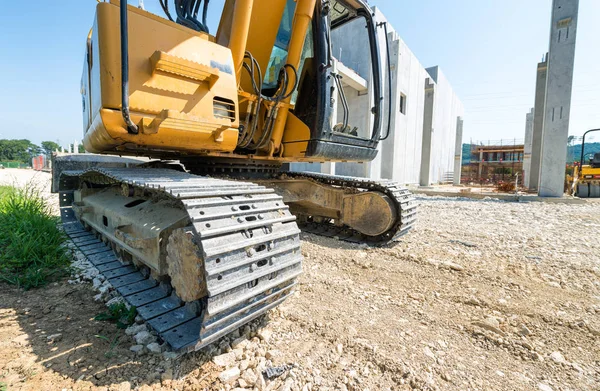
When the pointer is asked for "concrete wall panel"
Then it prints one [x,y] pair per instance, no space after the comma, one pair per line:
[400,155]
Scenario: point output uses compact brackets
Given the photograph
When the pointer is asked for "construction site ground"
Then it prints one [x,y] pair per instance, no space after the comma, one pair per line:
[482,192]
[482,295]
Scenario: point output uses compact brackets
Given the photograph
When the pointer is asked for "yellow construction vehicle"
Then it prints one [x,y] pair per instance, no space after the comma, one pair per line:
[205,238]
[586,177]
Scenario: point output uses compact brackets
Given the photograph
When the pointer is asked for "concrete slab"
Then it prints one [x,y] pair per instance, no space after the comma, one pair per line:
[498,196]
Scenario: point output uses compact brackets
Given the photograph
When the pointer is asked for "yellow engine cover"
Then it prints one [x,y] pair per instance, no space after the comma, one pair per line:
[182,87]
[588,173]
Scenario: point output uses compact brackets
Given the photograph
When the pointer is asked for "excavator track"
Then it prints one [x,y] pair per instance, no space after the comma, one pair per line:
[262,172]
[404,201]
[248,240]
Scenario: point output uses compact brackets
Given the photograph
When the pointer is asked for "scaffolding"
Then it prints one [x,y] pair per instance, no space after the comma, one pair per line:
[494,162]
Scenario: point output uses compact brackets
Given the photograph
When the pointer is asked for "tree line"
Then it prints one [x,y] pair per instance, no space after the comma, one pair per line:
[23,150]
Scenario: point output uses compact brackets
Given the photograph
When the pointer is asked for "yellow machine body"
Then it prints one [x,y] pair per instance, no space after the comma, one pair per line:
[588,173]
[586,182]
[183,85]
[183,90]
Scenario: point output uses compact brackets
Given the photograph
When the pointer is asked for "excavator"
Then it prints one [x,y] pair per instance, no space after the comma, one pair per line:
[204,236]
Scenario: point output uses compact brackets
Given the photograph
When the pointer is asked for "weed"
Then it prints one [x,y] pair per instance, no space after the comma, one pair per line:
[102,337]
[3,386]
[109,353]
[33,251]
[118,313]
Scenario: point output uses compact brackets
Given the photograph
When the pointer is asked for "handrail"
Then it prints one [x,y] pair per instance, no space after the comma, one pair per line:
[583,145]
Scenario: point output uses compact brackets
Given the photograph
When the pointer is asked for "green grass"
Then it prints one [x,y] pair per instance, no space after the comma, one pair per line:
[32,247]
[119,313]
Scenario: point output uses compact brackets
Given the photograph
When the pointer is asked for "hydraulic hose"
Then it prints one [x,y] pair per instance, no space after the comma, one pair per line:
[131,127]
[389,64]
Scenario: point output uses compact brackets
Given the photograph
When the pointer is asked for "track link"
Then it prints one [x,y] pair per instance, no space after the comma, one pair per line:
[249,242]
[403,200]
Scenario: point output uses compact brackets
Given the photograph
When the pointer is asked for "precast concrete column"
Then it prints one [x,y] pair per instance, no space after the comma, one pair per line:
[389,165]
[561,58]
[428,113]
[527,147]
[458,151]
[538,124]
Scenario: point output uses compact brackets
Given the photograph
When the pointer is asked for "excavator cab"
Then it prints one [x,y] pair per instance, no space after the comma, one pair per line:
[320,86]
[595,160]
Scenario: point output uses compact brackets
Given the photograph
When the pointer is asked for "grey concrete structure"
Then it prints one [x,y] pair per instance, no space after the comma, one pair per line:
[561,58]
[447,110]
[527,147]
[538,124]
[428,115]
[399,156]
[458,150]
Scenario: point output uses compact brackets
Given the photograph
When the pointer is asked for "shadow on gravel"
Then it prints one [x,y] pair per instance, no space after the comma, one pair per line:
[53,327]
[338,244]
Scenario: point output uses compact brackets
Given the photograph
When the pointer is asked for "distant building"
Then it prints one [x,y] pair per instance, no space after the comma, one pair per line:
[494,161]
[427,114]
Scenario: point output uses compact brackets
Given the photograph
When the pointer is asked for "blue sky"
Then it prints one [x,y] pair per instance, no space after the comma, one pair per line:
[488,49]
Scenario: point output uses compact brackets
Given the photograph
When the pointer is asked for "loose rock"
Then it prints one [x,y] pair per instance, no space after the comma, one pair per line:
[453,266]
[224,360]
[557,357]
[55,337]
[144,338]
[134,329]
[137,349]
[155,347]
[265,334]
[230,375]
[524,331]
[250,376]
[124,386]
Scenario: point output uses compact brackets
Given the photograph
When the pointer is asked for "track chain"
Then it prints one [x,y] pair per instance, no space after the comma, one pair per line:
[249,243]
[402,198]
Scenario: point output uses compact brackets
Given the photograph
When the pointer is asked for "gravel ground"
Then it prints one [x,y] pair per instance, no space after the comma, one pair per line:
[40,180]
[482,295]
[13,176]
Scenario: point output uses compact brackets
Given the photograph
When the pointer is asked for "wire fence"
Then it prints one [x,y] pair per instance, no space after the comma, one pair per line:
[500,143]
[13,165]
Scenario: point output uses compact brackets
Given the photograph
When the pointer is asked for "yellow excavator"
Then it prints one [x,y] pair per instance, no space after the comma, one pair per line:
[203,236]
